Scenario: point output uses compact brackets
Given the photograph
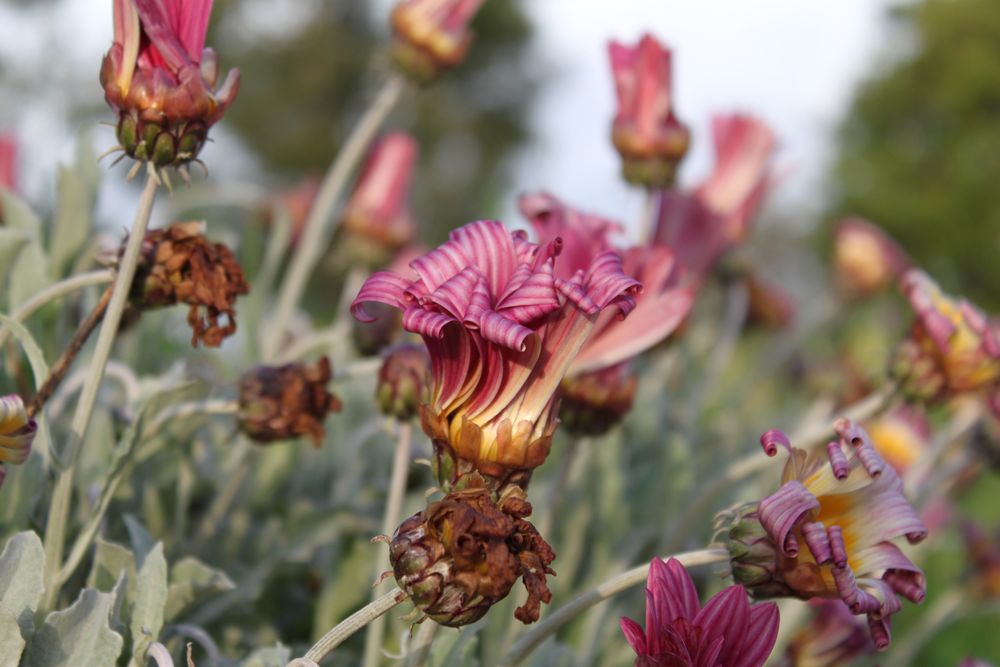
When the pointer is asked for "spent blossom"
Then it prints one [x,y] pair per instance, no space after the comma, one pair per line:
[432,35]
[646,132]
[953,347]
[728,630]
[502,329]
[866,259]
[160,78]
[828,531]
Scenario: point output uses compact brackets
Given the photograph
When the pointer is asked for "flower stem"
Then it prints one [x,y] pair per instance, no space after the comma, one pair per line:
[359,619]
[528,642]
[55,528]
[53,292]
[393,507]
[321,221]
[647,221]
[65,361]
[420,645]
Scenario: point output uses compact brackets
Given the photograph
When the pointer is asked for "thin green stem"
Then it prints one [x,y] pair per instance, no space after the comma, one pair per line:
[393,508]
[359,619]
[55,529]
[531,640]
[55,291]
[321,221]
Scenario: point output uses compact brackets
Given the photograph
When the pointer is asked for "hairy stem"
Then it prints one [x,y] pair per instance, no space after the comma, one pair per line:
[321,221]
[530,641]
[65,361]
[55,528]
[393,507]
[359,619]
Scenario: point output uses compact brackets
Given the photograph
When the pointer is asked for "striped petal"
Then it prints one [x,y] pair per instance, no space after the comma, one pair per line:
[383,287]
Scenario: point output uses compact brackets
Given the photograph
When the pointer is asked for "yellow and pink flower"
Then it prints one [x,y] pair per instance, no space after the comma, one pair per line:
[866,259]
[432,35]
[502,329]
[377,209]
[17,432]
[161,79]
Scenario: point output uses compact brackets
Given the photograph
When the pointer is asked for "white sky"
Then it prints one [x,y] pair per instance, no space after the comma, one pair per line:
[794,63]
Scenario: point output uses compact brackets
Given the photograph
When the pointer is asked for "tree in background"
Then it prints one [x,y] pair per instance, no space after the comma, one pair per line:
[920,148]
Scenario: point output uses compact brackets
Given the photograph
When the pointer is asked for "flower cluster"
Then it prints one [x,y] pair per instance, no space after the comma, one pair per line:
[179,265]
[828,531]
[953,347]
[159,77]
[728,630]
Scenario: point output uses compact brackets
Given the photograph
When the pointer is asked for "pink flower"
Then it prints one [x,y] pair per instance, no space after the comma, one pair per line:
[845,505]
[8,162]
[701,225]
[377,208]
[832,638]
[867,260]
[160,77]
[901,436]
[661,307]
[432,35]
[502,329]
[741,178]
[728,630]
[645,130]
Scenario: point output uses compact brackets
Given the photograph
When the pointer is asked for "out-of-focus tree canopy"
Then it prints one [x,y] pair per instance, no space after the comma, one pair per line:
[920,149]
[303,88]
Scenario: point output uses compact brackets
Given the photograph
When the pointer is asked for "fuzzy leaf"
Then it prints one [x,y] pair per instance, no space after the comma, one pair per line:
[12,242]
[110,560]
[78,636]
[150,597]
[11,641]
[192,582]
[459,653]
[73,218]
[22,565]
[142,541]
[29,274]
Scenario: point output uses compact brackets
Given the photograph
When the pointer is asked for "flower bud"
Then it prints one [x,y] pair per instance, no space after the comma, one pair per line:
[159,77]
[179,265]
[594,402]
[753,556]
[402,381]
[17,430]
[377,209]
[431,35]
[866,259]
[283,402]
[464,553]
[647,134]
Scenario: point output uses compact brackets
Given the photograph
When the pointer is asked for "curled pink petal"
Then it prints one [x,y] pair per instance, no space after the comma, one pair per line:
[770,440]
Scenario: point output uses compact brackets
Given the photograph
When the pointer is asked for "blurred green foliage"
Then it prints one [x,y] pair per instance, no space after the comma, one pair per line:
[920,148]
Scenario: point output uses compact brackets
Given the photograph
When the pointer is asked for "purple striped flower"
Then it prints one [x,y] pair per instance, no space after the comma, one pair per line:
[502,328]
[831,526]
[679,632]
[377,209]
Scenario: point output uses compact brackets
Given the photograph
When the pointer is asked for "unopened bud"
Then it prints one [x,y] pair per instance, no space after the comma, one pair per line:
[402,380]
[594,402]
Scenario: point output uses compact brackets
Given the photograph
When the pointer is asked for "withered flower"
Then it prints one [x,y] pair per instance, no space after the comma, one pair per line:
[464,553]
[283,402]
[402,381]
[179,265]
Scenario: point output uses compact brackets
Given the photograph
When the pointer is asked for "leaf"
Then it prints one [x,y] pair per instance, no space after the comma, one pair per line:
[458,653]
[78,636]
[29,274]
[272,656]
[150,597]
[110,560]
[12,241]
[11,641]
[40,371]
[142,541]
[22,565]
[192,582]
[73,219]
[23,488]
[17,215]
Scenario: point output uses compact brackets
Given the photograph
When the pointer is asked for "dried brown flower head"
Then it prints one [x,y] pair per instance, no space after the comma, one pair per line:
[464,553]
[179,265]
[283,402]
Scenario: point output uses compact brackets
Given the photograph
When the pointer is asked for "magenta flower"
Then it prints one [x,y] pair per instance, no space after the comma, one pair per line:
[663,304]
[845,504]
[377,208]
[159,77]
[645,130]
[867,260]
[834,636]
[502,328]
[679,632]
[8,162]
[432,35]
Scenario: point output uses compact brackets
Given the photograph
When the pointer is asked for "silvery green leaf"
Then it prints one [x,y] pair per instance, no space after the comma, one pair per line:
[23,488]
[142,541]
[272,656]
[147,607]
[77,637]
[17,215]
[73,219]
[459,652]
[22,564]
[12,242]
[110,560]
[191,582]
[11,641]
[29,275]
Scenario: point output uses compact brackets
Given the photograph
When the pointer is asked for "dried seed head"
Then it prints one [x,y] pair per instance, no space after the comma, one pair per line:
[179,265]
[464,553]
[283,402]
